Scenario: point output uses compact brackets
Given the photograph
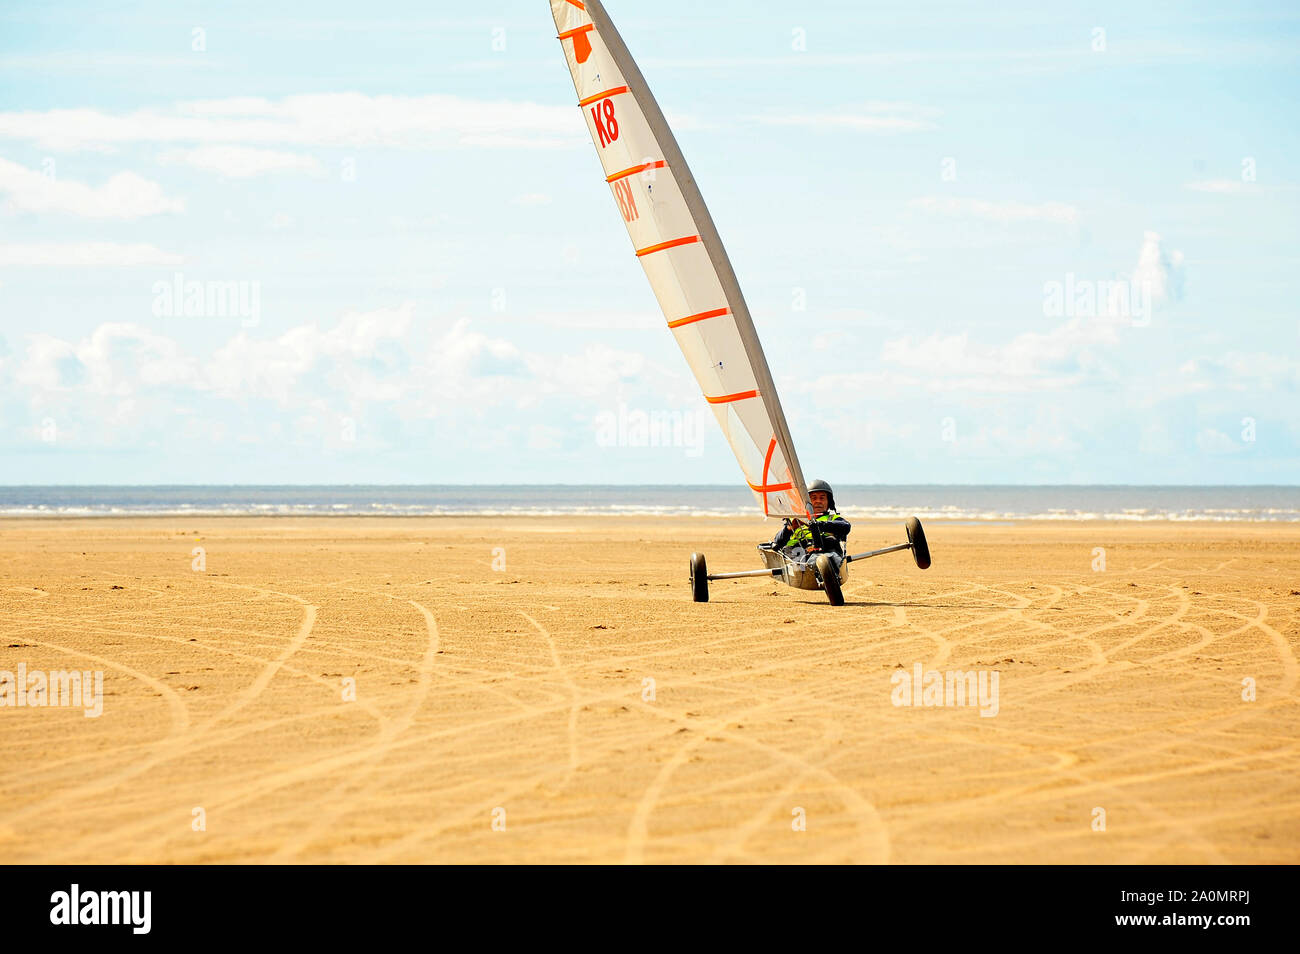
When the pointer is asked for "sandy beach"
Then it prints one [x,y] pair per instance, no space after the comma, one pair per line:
[543,689]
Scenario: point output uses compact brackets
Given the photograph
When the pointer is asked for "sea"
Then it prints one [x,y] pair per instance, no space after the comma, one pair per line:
[864,502]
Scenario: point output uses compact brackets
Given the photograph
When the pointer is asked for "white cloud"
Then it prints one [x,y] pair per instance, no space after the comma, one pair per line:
[124,196]
[1239,371]
[126,383]
[1059,359]
[365,356]
[1030,361]
[116,360]
[241,162]
[1007,211]
[49,364]
[78,254]
[598,370]
[274,368]
[1211,441]
[318,119]
[361,334]
[463,353]
[1159,270]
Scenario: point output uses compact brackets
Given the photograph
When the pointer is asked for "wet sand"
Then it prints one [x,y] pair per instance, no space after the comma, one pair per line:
[543,689]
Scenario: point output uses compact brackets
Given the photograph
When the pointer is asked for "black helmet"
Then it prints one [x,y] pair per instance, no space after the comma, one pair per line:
[826,488]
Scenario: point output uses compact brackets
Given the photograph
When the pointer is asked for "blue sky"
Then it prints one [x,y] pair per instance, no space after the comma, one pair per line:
[444,292]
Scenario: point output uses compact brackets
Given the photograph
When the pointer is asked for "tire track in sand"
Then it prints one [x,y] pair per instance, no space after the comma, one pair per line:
[358,790]
[574,760]
[178,742]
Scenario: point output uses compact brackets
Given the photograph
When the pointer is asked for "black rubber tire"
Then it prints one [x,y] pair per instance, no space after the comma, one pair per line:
[920,549]
[699,578]
[830,580]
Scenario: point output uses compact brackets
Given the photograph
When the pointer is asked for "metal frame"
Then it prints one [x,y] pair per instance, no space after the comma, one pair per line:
[779,572]
[872,553]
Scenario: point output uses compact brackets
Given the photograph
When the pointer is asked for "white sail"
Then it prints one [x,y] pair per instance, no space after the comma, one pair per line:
[678,246]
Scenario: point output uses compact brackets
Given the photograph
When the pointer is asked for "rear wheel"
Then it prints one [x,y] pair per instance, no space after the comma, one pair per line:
[916,537]
[699,578]
[830,575]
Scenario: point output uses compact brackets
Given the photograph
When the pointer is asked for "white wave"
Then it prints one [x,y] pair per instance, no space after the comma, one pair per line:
[938,514]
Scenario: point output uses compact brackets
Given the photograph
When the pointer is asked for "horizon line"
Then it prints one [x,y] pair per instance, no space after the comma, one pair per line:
[847,483]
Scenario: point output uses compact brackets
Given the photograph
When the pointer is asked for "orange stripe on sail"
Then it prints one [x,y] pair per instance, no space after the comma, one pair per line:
[716,313]
[765,488]
[728,398]
[769,489]
[635,169]
[663,245]
[609,92]
[581,44]
[575,31]
[767,463]
[578,4]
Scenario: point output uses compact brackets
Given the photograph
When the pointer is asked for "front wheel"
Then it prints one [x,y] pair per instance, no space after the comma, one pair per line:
[920,549]
[699,578]
[830,575]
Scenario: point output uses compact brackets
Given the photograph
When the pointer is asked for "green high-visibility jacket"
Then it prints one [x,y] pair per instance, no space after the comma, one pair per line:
[832,528]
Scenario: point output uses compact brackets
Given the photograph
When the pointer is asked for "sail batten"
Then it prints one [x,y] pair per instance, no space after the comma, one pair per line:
[675,240]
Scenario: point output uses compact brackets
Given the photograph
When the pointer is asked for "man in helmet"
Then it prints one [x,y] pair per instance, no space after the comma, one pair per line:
[825,533]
